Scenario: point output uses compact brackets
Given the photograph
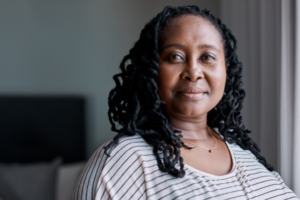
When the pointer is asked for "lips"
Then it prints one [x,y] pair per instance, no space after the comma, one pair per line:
[192,90]
[192,93]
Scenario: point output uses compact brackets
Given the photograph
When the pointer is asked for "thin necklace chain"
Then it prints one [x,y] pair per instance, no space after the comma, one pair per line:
[209,150]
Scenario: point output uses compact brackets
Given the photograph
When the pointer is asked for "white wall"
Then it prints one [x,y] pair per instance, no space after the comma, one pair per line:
[62,47]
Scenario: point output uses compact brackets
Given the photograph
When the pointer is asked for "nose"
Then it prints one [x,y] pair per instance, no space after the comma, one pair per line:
[192,72]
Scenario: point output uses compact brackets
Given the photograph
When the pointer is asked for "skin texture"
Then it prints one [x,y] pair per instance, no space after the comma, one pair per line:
[191,82]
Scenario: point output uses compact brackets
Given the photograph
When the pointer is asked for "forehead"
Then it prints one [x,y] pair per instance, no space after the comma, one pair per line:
[191,28]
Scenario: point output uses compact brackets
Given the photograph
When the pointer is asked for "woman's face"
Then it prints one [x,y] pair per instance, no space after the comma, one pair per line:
[192,74]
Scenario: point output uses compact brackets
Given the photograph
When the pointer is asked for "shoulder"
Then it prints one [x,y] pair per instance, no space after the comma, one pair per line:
[264,183]
[128,145]
[249,165]
[102,171]
[240,153]
[130,151]
[85,187]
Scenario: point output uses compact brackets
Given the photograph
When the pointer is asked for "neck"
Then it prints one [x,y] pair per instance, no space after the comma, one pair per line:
[191,128]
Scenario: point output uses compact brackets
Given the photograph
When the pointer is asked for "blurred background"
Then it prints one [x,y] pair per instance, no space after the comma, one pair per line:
[73,47]
[63,48]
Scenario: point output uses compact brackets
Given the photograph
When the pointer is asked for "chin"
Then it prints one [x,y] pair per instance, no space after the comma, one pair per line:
[192,112]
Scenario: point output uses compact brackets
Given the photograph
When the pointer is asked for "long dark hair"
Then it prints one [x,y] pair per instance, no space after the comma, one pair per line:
[135,107]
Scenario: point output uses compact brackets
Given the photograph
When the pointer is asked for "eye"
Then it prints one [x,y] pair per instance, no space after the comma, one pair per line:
[175,58]
[207,58]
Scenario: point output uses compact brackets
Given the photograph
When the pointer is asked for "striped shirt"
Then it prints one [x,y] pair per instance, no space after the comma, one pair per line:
[131,172]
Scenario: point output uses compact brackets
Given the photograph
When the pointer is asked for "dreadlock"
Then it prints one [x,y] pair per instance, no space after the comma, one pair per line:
[135,107]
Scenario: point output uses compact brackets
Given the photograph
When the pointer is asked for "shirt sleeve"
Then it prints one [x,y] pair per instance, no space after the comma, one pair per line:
[278,177]
[281,182]
[120,176]
[86,184]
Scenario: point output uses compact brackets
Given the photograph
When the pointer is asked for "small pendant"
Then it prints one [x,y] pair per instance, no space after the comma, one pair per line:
[209,151]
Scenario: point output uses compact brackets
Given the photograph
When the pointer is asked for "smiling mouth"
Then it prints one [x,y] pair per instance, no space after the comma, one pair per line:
[192,95]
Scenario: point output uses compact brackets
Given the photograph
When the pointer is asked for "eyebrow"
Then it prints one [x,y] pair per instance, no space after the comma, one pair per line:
[208,46]
[204,46]
[173,45]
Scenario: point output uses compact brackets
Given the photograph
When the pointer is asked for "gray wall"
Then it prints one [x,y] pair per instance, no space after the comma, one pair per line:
[256,25]
[62,47]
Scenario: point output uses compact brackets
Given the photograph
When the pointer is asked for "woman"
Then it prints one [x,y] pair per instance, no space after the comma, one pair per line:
[178,101]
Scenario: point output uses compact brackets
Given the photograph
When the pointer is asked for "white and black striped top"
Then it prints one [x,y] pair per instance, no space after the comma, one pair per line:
[131,172]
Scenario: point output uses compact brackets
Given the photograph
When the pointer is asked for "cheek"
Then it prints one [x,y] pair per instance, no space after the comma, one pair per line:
[224,79]
[217,82]
[222,85]
[162,84]
[221,77]
[166,82]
